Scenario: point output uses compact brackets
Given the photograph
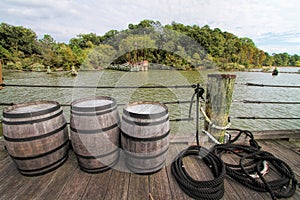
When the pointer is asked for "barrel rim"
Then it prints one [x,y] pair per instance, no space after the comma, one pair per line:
[93,109]
[6,113]
[145,116]
[145,139]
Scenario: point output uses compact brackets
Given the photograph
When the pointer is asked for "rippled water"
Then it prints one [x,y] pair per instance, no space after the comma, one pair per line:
[164,78]
[243,92]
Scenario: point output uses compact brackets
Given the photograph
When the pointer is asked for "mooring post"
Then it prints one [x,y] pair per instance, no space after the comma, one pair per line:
[218,99]
[1,77]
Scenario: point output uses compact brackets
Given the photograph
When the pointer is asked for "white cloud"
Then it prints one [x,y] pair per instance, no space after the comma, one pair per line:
[65,19]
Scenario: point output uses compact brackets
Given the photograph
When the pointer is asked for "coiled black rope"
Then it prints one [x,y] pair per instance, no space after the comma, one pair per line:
[210,190]
[251,161]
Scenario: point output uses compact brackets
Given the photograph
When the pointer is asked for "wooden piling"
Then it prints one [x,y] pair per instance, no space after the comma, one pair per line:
[1,77]
[218,99]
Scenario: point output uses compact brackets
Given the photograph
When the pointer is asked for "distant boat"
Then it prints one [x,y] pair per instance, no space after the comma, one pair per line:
[275,72]
[49,71]
[135,69]
[73,71]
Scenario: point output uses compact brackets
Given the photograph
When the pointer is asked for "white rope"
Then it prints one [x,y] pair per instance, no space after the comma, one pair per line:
[211,124]
[211,137]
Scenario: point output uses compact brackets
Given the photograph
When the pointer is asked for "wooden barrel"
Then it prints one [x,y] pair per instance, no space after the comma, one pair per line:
[145,136]
[95,133]
[36,136]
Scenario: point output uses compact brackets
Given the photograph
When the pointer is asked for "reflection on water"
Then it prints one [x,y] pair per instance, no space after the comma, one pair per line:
[164,78]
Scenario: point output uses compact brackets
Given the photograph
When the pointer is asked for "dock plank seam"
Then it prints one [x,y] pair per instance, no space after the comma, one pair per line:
[110,177]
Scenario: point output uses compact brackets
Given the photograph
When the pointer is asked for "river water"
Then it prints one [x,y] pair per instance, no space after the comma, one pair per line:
[165,78]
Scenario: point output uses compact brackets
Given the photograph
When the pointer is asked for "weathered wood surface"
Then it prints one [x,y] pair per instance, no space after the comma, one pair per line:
[36,135]
[69,182]
[145,135]
[218,100]
[277,134]
[290,135]
[94,131]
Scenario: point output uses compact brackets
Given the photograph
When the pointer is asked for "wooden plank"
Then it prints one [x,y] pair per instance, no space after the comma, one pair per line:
[219,92]
[287,155]
[270,147]
[174,187]
[97,186]
[4,162]
[59,179]
[235,190]
[276,134]
[138,187]
[21,187]
[280,151]
[76,185]
[186,139]
[32,186]
[159,185]
[11,184]
[293,146]
[230,192]
[3,152]
[118,185]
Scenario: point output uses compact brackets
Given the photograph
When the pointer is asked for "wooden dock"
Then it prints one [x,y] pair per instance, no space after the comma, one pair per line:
[69,182]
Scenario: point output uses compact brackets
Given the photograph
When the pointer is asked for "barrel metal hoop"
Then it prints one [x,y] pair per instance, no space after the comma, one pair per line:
[96,108]
[145,157]
[98,156]
[63,158]
[145,123]
[93,112]
[145,116]
[151,170]
[32,121]
[31,114]
[151,139]
[94,131]
[42,154]
[36,137]
[99,169]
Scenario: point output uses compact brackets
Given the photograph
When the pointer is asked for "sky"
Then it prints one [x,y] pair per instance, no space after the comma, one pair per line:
[273,25]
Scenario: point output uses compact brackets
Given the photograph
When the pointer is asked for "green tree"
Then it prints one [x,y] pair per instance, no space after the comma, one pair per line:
[281,59]
[65,58]
[47,47]
[134,47]
[99,57]
[5,55]
[85,40]
[294,59]
[18,39]
[268,61]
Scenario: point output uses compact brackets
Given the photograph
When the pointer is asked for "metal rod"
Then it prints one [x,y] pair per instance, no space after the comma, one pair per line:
[119,104]
[197,114]
[264,102]
[274,118]
[262,85]
[100,87]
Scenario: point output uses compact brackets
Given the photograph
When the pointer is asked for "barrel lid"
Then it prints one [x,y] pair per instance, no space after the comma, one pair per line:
[93,104]
[31,109]
[146,109]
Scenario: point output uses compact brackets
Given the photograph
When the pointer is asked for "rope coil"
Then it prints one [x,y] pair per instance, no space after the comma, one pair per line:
[211,189]
[252,160]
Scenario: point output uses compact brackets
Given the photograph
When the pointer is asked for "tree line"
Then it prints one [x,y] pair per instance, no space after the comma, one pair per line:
[180,46]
